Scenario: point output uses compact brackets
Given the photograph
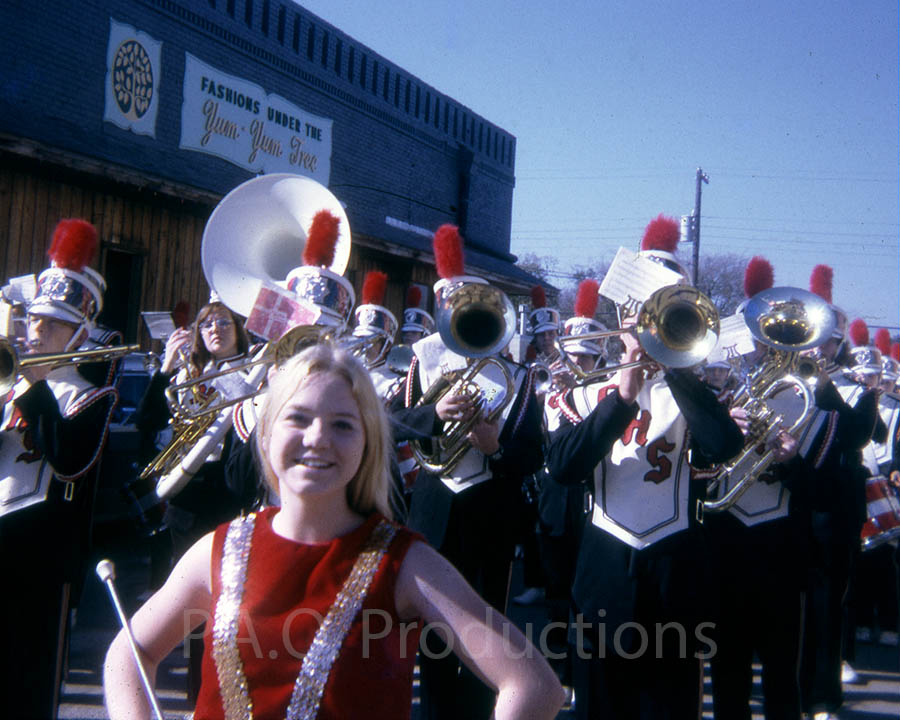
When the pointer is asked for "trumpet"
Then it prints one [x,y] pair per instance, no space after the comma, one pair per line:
[11,364]
[787,321]
[677,327]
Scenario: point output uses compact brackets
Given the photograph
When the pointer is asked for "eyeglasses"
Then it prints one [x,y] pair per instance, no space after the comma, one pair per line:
[218,323]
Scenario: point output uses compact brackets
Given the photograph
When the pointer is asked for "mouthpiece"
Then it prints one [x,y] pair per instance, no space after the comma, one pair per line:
[106,570]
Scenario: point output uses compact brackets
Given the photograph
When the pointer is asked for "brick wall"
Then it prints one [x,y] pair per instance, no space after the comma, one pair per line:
[386,160]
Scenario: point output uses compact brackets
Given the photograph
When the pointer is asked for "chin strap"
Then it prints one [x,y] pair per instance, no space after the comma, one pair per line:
[73,344]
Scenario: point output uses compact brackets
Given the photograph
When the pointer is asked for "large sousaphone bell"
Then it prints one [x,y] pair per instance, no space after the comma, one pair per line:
[257,234]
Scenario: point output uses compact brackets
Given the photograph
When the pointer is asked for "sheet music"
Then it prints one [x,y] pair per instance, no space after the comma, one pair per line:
[735,339]
[159,324]
[433,353]
[632,278]
[20,290]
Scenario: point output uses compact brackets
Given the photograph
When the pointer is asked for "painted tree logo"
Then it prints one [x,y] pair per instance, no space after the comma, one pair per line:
[132,79]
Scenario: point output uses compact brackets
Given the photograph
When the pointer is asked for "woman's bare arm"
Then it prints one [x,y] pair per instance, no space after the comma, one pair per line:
[158,626]
[430,588]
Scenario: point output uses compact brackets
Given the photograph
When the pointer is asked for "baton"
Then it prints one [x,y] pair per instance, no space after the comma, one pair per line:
[106,571]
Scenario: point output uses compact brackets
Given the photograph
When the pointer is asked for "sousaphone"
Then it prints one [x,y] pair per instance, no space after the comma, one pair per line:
[257,234]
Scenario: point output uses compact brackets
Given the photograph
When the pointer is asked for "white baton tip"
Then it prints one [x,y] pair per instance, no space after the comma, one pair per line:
[106,570]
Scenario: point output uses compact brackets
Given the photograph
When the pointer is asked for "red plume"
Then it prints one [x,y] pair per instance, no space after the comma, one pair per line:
[587,298]
[413,296]
[321,239]
[373,288]
[661,234]
[448,252]
[858,332]
[758,276]
[883,341]
[538,297]
[820,281]
[181,314]
[74,244]
[895,351]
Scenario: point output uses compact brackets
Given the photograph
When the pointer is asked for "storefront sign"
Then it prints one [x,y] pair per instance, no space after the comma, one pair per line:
[237,120]
[133,72]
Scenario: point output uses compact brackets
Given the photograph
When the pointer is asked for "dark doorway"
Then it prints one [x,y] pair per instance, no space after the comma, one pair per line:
[121,305]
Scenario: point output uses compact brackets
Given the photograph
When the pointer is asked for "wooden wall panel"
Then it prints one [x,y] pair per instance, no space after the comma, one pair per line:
[165,232]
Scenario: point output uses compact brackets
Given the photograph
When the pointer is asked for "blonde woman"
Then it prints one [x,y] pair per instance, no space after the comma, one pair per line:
[320,603]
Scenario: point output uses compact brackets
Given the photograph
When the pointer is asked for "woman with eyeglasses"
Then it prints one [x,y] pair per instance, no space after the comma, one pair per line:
[215,341]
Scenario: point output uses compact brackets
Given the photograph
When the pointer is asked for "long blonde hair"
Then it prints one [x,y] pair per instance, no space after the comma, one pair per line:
[368,489]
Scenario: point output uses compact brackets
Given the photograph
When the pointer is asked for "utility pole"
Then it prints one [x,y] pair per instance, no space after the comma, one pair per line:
[701,178]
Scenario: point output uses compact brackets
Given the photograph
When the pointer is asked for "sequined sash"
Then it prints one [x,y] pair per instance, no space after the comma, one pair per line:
[316,666]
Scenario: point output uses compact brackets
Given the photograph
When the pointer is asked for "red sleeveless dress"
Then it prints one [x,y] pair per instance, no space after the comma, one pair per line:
[288,591]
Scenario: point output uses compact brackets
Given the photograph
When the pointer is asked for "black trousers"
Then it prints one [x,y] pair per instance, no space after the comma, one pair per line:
[38,574]
[758,581]
[762,620]
[828,577]
[479,545]
[645,687]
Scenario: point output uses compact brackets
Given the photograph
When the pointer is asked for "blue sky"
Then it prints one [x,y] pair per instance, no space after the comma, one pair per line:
[791,109]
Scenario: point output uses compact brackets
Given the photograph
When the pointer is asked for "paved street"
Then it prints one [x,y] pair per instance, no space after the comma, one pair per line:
[877,697]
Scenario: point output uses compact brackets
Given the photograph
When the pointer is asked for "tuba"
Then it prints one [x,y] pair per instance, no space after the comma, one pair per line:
[474,320]
[787,321]
[257,234]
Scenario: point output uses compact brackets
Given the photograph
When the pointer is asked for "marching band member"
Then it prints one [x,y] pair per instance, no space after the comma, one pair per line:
[717,374]
[417,323]
[543,324]
[333,297]
[315,284]
[377,326]
[465,513]
[640,596]
[843,424]
[564,507]
[328,551]
[215,341]
[887,455]
[53,429]
[870,600]
[757,548]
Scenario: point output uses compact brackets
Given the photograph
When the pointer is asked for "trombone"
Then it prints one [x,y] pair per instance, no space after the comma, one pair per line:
[11,364]
[677,326]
